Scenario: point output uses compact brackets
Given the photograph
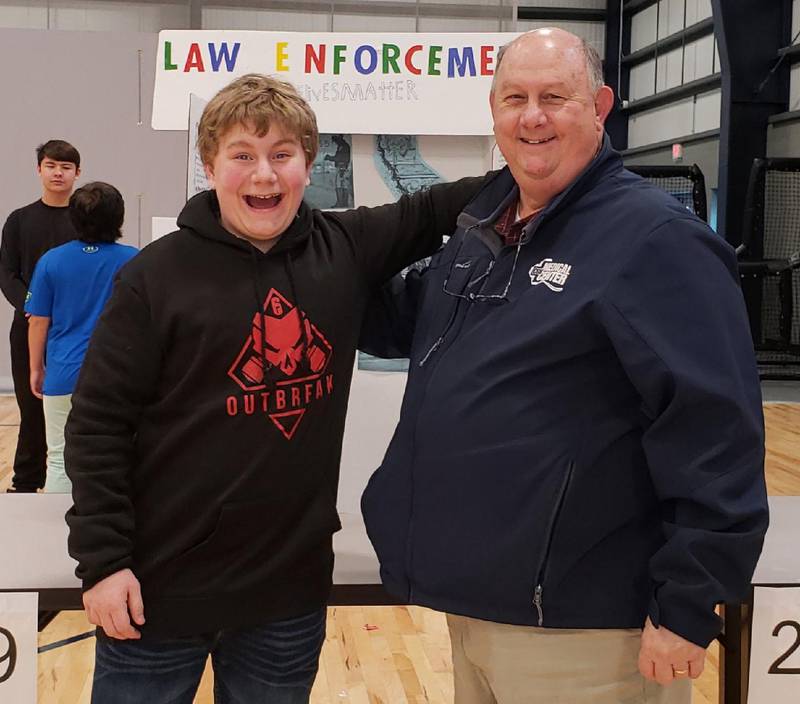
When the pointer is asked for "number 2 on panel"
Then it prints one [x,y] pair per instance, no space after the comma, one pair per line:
[775,668]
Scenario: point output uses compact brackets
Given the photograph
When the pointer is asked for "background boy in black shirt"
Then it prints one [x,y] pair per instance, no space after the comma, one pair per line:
[28,233]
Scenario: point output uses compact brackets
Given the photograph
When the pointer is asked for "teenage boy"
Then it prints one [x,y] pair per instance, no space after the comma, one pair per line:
[206,429]
[70,286]
[28,233]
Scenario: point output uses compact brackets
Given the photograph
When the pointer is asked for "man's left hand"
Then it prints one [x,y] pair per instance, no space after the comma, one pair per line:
[665,656]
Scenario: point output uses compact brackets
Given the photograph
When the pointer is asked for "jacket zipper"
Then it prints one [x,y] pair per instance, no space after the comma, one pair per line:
[551,529]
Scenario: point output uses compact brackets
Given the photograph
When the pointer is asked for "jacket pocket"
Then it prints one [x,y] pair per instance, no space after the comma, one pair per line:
[541,571]
[252,542]
[481,519]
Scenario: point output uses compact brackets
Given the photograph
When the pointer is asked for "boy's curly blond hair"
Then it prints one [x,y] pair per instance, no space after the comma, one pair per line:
[257,102]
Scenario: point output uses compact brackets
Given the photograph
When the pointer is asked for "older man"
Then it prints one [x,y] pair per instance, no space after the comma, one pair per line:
[577,475]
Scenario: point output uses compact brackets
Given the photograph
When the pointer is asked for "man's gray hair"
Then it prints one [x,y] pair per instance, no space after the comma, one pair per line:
[594,64]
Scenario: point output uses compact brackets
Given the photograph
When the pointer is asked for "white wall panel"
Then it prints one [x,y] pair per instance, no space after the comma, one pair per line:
[697,10]
[703,9]
[662,123]
[643,27]
[117,17]
[592,32]
[669,70]
[707,111]
[227,18]
[30,16]
[670,17]
[795,17]
[699,59]
[385,23]
[455,24]
[642,80]
[585,4]
[794,88]
[684,117]
[95,16]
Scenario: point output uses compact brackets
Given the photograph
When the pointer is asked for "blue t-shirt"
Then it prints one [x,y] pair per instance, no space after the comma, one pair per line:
[70,285]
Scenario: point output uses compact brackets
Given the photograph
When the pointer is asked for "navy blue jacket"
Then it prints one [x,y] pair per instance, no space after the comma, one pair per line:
[581,447]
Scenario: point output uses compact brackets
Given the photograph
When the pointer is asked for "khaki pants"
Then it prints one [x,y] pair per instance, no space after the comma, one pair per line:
[495,663]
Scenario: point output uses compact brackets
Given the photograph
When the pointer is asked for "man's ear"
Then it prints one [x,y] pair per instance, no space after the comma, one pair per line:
[603,102]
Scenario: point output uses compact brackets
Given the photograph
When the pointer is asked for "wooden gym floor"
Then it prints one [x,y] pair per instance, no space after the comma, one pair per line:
[372,655]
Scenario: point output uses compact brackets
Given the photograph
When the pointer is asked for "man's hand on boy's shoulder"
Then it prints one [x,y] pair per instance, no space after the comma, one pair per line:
[113,602]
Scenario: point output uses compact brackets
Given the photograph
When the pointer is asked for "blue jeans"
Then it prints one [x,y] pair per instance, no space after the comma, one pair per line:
[272,664]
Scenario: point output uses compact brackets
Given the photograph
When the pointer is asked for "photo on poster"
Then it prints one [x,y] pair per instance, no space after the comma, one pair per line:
[401,166]
[196,180]
[331,185]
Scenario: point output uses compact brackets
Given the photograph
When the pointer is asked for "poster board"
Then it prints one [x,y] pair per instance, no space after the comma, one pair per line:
[356,83]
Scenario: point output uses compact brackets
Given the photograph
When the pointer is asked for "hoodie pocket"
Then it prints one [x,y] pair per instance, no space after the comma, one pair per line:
[252,542]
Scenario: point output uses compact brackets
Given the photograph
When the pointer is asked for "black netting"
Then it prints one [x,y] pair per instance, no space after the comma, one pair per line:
[787,369]
[781,238]
[680,187]
[781,214]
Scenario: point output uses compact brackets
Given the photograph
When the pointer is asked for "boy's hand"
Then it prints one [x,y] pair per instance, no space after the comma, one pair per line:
[37,379]
[665,656]
[113,602]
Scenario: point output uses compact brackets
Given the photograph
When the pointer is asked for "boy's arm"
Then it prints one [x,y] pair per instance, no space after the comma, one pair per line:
[38,325]
[391,316]
[390,237]
[117,381]
[14,289]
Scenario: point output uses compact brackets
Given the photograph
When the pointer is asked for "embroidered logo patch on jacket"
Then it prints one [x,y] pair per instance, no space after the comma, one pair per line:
[552,274]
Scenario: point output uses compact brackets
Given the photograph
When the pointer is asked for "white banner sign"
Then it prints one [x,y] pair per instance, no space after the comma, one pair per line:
[18,655]
[356,83]
[775,646]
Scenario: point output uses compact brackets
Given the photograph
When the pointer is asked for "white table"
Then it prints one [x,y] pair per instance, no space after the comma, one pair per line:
[33,554]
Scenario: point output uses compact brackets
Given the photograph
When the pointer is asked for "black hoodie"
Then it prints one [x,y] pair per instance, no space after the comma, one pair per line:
[214,482]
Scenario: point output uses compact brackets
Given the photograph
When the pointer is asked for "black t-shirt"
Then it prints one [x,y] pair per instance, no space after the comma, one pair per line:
[28,233]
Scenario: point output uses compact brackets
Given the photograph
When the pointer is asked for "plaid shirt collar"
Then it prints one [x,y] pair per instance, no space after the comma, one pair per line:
[509,228]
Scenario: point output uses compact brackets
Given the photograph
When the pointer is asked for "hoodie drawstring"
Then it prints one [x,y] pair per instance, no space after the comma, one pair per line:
[304,324]
[267,378]
[305,327]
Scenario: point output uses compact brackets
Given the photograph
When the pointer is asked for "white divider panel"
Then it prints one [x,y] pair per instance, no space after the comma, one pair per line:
[775,646]
[18,634]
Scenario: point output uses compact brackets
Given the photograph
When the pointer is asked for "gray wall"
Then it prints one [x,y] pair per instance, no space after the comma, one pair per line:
[784,140]
[84,87]
[705,154]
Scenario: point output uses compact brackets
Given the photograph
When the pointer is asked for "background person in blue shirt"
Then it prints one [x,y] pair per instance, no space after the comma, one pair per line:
[70,286]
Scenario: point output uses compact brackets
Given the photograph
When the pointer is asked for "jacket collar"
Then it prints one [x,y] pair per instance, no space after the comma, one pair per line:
[502,190]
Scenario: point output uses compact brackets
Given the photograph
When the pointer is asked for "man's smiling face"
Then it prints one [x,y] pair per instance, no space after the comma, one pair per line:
[548,122]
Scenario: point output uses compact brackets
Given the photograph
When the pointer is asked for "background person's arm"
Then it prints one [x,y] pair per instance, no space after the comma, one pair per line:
[11,283]
[38,327]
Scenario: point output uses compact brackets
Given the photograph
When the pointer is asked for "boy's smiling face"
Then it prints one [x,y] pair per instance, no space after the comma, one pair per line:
[259,182]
